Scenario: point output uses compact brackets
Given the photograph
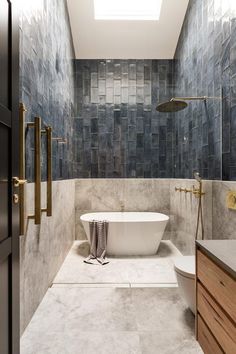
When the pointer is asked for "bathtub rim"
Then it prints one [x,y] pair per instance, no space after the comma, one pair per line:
[87,217]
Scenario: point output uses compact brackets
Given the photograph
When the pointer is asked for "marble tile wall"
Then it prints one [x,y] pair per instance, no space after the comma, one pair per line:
[205,134]
[47,79]
[224,219]
[44,247]
[118,132]
[159,195]
[114,194]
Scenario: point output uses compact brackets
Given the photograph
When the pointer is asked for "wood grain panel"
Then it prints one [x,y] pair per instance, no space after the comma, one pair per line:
[221,285]
[218,322]
[206,339]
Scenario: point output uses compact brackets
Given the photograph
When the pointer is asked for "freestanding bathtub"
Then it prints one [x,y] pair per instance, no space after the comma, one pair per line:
[130,233]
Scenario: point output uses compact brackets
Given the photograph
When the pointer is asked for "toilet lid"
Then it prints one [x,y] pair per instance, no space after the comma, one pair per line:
[185,265]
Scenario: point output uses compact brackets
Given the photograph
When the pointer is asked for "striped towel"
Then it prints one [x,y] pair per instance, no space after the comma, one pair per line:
[98,242]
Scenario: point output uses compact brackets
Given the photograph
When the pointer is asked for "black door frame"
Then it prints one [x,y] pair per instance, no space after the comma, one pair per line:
[15,281]
[9,117]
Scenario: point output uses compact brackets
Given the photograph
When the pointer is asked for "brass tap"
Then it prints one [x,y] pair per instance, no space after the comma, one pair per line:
[122,206]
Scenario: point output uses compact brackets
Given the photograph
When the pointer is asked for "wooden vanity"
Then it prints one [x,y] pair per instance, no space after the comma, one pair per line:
[216,296]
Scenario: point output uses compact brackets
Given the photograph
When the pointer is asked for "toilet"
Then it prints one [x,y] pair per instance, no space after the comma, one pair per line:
[185,272]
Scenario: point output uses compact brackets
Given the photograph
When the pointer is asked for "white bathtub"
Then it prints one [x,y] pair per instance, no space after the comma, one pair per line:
[130,233]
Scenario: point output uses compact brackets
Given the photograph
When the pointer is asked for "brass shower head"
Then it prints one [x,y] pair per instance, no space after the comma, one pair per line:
[171,106]
[177,104]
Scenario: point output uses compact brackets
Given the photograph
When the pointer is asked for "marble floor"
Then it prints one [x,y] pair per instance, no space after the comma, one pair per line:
[121,271]
[130,309]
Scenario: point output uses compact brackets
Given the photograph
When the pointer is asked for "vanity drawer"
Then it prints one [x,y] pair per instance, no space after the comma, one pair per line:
[218,322]
[219,283]
[206,339]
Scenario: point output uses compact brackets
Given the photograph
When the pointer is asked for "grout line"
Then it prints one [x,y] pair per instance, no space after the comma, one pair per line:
[107,283]
[114,285]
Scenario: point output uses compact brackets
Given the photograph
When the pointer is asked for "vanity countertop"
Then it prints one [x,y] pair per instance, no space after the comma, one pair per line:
[223,252]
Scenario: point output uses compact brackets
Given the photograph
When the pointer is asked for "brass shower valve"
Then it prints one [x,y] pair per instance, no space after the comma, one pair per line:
[198,192]
[185,190]
[195,191]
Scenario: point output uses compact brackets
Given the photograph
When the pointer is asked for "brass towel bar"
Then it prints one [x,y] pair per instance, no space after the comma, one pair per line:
[37,169]
[48,132]
[60,140]
[19,182]
[22,111]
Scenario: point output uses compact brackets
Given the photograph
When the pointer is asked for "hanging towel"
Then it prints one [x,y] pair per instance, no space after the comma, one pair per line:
[98,242]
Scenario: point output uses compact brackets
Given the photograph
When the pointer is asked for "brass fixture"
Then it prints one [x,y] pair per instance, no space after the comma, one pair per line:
[198,193]
[15,198]
[48,132]
[195,191]
[37,169]
[185,190]
[231,200]
[60,140]
[18,182]
[178,103]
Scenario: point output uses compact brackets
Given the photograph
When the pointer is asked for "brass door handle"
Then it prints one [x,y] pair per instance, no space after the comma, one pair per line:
[18,182]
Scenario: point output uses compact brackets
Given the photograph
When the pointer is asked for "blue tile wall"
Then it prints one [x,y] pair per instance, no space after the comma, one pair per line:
[47,80]
[119,133]
[205,134]
[106,109]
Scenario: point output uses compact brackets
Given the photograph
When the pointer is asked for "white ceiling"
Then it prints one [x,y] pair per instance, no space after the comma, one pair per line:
[104,39]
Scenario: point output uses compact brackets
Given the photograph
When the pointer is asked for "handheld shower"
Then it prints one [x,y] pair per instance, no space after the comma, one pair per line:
[197,176]
[199,214]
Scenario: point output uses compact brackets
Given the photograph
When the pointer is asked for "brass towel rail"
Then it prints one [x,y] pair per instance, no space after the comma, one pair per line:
[20,181]
[60,140]
[48,132]
[22,111]
[37,168]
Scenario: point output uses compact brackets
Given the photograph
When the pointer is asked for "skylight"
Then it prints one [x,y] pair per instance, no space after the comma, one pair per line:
[127,9]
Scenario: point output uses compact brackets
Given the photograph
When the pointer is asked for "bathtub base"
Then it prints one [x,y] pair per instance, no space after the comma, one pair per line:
[134,240]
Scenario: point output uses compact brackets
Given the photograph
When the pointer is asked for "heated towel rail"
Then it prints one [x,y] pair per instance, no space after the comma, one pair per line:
[38,132]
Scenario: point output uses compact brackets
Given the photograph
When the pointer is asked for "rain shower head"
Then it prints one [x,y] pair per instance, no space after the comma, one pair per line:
[197,176]
[172,106]
[177,104]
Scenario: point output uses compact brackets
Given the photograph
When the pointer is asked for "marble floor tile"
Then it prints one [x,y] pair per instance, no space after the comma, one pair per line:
[158,309]
[86,309]
[168,342]
[130,306]
[153,269]
[123,321]
[84,343]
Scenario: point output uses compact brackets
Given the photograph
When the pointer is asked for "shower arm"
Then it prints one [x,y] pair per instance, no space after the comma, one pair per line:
[201,98]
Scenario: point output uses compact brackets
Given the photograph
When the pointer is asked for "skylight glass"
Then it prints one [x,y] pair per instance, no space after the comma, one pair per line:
[127,9]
